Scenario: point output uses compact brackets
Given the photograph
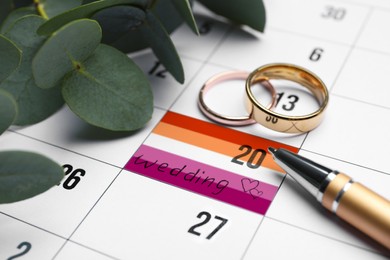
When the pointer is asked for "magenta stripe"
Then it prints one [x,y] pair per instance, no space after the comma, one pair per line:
[152,154]
[202,178]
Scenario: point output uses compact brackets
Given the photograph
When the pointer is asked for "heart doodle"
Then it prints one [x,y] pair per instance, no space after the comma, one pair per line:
[250,186]
[256,193]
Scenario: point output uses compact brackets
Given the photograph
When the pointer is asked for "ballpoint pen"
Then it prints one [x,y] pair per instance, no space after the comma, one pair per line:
[349,200]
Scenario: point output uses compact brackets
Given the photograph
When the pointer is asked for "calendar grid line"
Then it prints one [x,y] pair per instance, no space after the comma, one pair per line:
[308,36]
[360,101]
[373,50]
[252,238]
[303,141]
[189,57]
[89,248]
[354,2]
[32,225]
[65,149]
[59,250]
[262,220]
[93,206]
[227,67]
[352,47]
[347,162]
[89,211]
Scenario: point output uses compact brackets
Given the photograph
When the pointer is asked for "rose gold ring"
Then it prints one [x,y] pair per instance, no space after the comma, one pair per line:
[224,119]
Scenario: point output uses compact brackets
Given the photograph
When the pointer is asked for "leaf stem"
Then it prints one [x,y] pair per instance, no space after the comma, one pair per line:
[40,8]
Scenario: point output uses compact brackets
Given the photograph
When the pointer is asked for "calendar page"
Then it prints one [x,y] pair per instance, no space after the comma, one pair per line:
[185,187]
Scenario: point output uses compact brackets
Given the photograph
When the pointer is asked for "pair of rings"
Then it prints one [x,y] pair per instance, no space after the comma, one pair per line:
[264,115]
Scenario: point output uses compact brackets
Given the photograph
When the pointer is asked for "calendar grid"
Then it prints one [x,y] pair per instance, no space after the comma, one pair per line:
[122,209]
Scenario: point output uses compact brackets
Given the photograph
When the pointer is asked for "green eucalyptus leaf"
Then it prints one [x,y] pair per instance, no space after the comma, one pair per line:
[109,91]
[117,20]
[71,44]
[5,8]
[167,14]
[10,57]
[184,8]
[15,15]
[125,42]
[50,8]
[84,11]
[8,110]
[25,174]
[248,12]
[158,39]
[35,104]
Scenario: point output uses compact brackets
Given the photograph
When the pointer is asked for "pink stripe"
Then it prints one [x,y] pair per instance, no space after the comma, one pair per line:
[203,179]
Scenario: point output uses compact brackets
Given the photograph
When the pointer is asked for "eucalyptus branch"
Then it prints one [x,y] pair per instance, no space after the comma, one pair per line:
[74,52]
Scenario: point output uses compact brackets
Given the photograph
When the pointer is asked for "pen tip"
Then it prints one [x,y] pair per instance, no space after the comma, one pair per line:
[271,150]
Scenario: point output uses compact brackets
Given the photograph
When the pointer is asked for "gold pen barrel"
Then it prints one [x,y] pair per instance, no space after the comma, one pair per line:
[359,206]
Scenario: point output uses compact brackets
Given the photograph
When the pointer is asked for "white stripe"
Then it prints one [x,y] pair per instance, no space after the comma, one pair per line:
[212,158]
[336,201]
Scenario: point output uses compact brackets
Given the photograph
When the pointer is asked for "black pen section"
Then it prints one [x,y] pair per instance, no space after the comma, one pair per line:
[296,165]
[351,201]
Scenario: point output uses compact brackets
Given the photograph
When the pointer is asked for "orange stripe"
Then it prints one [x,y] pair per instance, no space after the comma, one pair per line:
[220,132]
[213,144]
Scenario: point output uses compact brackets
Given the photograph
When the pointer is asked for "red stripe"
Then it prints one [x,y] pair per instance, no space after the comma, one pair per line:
[220,132]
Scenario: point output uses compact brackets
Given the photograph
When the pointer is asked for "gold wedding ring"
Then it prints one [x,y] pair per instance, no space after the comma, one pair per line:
[279,122]
[225,119]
